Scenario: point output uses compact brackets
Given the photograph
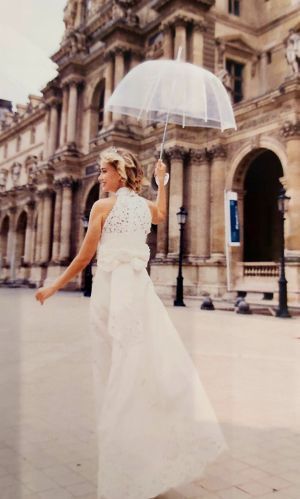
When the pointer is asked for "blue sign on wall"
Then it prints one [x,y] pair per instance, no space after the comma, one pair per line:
[232,219]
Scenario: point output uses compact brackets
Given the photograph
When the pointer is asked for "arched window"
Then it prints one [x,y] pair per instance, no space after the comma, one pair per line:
[97,109]
[101,110]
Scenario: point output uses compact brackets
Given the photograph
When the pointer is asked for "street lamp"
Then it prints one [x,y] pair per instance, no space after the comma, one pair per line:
[282,311]
[88,276]
[181,218]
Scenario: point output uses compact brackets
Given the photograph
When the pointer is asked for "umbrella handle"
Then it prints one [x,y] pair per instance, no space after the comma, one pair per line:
[164,138]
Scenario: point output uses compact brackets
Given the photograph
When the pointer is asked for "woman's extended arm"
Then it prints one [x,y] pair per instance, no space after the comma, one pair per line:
[84,256]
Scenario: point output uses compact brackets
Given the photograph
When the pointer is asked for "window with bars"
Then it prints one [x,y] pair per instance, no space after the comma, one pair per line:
[234,7]
[235,71]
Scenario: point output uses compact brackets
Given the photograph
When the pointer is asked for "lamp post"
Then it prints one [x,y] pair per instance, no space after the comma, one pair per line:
[282,310]
[181,218]
[88,276]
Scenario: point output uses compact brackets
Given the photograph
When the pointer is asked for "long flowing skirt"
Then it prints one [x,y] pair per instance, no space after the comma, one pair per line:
[156,427]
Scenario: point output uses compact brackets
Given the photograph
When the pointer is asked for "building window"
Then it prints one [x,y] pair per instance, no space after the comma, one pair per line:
[18,143]
[32,135]
[235,71]
[234,7]
[269,57]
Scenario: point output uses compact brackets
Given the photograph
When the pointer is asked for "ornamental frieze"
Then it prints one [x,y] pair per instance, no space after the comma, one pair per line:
[290,129]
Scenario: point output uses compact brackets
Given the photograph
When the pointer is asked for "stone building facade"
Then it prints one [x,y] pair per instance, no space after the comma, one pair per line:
[49,148]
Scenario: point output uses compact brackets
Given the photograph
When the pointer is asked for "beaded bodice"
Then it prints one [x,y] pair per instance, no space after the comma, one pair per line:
[125,230]
[129,214]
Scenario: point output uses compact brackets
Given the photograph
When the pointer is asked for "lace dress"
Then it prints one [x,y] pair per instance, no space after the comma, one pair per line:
[156,428]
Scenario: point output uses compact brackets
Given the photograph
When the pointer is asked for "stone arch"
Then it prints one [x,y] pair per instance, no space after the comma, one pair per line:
[97,108]
[21,226]
[92,195]
[247,153]
[256,175]
[92,185]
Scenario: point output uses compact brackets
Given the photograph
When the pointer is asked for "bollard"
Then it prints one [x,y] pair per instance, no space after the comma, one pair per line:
[207,304]
[243,308]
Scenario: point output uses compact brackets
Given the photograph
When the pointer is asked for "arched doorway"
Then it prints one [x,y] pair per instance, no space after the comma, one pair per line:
[261,219]
[20,239]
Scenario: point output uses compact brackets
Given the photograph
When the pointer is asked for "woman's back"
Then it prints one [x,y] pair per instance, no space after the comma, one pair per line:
[125,230]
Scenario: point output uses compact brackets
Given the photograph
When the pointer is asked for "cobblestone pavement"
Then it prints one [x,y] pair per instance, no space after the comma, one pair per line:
[249,366]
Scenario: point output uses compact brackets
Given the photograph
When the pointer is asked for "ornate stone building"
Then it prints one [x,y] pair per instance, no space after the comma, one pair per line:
[49,148]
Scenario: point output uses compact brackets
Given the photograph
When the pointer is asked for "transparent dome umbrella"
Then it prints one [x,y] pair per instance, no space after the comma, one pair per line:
[173,91]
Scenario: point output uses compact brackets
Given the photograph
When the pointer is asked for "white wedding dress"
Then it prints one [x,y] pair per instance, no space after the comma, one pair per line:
[156,428]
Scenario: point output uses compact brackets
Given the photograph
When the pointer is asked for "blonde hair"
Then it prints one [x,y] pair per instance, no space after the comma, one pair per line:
[127,165]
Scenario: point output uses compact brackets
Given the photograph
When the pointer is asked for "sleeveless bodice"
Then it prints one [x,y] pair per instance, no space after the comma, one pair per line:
[123,238]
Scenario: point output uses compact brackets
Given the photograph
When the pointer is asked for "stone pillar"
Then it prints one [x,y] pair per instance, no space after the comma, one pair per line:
[52,144]
[66,221]
[28,252]
[46,226]
[64,116]
[119,73]
[72,113]
[47,130]
[39,235]
[293,190]
[109,77]
[198,221]
[176,155]
[180,38]
[57,222]
[168,42]
[197,44]
[162,228]
[218,173]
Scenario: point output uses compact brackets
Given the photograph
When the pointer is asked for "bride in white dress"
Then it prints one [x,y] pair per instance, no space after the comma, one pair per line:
[156,427]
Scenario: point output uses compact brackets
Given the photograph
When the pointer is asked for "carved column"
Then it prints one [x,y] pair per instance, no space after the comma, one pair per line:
[66,221]
[39,235]
[291,131]
[64,116]
[57,221]
[168,42]
[46,228]
[218,174]
[162,228]
[197,44]
[28,251]
[109,76]
[72,113]
[176,155]
[193,193]
[198,221]
[180,38]
[53,132]
[119,73]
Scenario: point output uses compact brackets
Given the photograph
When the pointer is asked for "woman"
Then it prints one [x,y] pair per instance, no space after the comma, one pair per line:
[156,427]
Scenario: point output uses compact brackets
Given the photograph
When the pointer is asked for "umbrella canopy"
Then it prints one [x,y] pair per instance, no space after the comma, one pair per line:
[174,91]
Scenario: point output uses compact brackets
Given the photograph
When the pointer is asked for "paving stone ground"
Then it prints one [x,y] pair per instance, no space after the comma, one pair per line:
[249,366]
